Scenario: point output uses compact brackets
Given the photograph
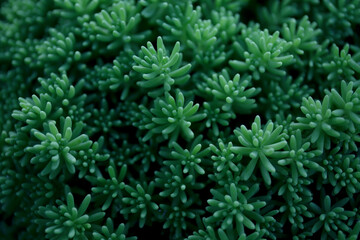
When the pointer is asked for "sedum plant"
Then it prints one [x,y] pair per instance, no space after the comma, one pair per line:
[303,36]
[67,221]
[74,8]
[216,117]
[203,44]
[342,171]
[190,160]
[139,204]
[115,26]
[56,149]
[170,117]
[176,184]
[178,218]
[158,69]
[58,49]
[235,209]
[331,217]
[110,189]
[223,157]
[234,95]
[220,234]
[109,232]
[320,120]
[176,24]
[262,145]
[193,119]
[262,52]
[340,65]
[299,157]
[346,103]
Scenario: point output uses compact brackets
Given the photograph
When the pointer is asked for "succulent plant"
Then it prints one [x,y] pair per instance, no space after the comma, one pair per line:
[194,119]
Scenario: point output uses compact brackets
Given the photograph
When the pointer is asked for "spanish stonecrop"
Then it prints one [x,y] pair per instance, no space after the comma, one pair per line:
[115,26]
[68,222]
[232,95]
[110,189]
[233,209]
[175,184]
[170,117]
[342,171]
[138,206]
[300,158]
[262,52]
[109,232]
[189,160]
[175,25]
[190,119]
[57,149]
[203,46]
[341,66]
[159,70]
[260,146]
[224,159]
[331,220]
[303,36]
[321,122]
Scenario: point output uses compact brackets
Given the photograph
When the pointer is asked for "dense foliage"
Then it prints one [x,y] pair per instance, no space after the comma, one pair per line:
[194,119]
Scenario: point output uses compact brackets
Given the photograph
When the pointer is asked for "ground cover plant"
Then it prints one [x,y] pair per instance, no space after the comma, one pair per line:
[193,119]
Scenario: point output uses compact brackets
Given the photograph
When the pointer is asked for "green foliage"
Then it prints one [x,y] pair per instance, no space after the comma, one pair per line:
[177,23]
[155,9]
[67,221]
[191,160]
[178,218]
[224,159]
[105,120]
[284,96]
[149,105]
[277,12]
[117,77]
[341,65]
[116,26]
[89,159]
[342,171]
[170,117]
[346,105]
[220,234]
[55,96]
[299,157]
[296,197]
[28,18]
[234,6]
[216,117]
[321,121]
[108,232]
[159,69]
[58,53]
[11,190]
[175,184]
[56,149]
[228,24]
[203,45]
[303,36]
[262,145]
[233,95]
[233,208]
[262,52]
[338,18]
[330,219]
[74,8]
[107,190]
[139,204]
